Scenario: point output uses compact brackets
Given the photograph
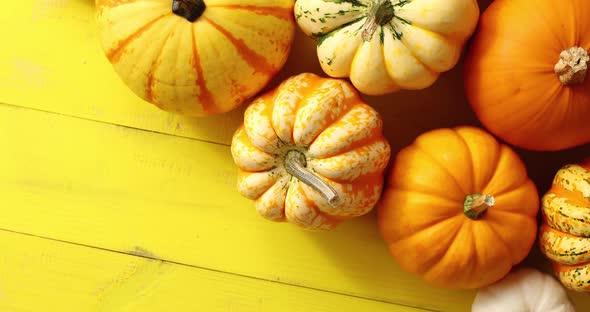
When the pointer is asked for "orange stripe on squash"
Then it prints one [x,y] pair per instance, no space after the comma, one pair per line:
[282,13]
[150,76]
[205,97]
[251,57]
[114,54]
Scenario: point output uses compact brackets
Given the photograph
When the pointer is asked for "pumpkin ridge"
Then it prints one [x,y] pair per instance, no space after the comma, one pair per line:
[504,149]
[475,259]
[291,86]
[566,256]
[413,53]
[253,59]
[570,275]
[422,193]
[465,132]
[278,12]
[472,264]
[573,197]
[346,104]
[311,206]
[508,191]
[479,245]
[336,120]
[357,163]
[114,54]
[500,211]
[323,36]
[564,218]
[150,75]
[426,226]
[343,113]
[241,144]
[550,98]
[445,169]
[570,176]
[501,239]
[205,97]
[471,160]
[438,260]
[454,37]
[281,187]
[274,174]
[376,137]
[405,189]
[431,259]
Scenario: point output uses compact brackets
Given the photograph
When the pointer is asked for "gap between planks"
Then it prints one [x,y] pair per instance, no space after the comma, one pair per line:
[140,254]
[110,123]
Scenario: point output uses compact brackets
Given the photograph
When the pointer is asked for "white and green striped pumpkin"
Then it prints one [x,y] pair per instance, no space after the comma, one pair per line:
[387,45]
[565,233]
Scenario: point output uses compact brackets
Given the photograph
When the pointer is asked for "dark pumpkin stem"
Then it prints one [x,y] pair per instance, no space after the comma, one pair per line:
[380,13]
[295,164]
[476,205]
[191,10]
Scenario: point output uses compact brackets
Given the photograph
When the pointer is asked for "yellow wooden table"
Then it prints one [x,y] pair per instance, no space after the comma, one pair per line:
[109,204]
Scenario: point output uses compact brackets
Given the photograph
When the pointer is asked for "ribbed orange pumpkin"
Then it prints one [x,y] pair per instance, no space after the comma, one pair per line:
[526,72]
[311,152]
[458,208]
[194,58]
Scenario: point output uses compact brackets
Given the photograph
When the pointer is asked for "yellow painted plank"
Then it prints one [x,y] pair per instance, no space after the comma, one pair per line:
[44,275]
[52,60]
[120,188]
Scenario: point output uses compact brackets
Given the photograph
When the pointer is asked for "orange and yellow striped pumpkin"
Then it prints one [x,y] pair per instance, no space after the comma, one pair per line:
[196,57]
[311,152]
[565,233]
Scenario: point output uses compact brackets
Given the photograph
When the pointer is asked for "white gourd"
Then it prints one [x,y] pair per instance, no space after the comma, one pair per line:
[388,45]
[524,290]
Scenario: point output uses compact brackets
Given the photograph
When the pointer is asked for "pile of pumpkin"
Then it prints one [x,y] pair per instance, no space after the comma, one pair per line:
[312,153]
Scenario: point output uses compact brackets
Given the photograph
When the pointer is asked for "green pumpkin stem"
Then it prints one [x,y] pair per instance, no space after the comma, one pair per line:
[380,13]
[572,66]
[191,10]
[295,164]
[476,205]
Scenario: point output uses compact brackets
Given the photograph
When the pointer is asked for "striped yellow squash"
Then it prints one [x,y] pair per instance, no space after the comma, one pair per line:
[565,233]
[196,57]
[387,45]
[311,153]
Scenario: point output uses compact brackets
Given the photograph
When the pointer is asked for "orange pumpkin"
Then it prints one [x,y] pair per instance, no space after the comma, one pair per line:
[458,208]
[196,57]
[311,152]
[526,72]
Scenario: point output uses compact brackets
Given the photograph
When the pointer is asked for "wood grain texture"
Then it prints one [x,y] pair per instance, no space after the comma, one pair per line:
[44,275]
[118,188]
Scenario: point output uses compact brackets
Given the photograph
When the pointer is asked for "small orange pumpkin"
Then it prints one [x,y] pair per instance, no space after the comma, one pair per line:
[526,72]
[458,209]
[311,152]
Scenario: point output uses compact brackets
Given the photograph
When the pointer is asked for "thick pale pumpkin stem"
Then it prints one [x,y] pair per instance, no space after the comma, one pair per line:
[572,66]
[191,10]
[380,13]
[295,164]
[476,205]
